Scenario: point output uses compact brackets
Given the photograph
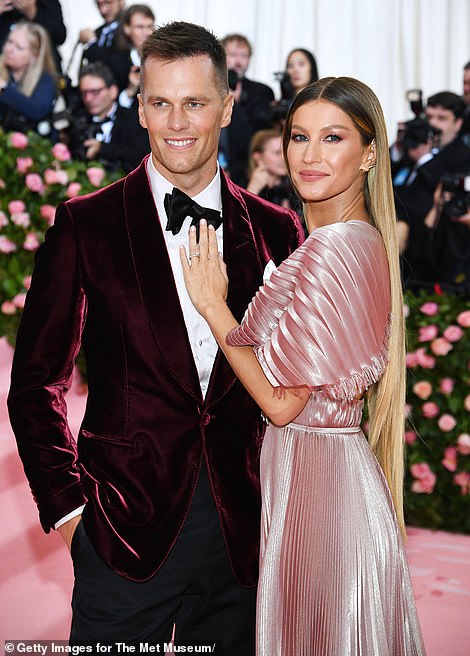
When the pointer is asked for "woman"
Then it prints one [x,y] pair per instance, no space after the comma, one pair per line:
[27,79]
[327,328]
[301,68]
[267,171]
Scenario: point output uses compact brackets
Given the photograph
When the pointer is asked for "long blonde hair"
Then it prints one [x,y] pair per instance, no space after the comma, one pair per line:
[41,61]
[386,398]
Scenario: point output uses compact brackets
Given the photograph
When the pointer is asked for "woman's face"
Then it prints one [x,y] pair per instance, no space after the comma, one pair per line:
[299,69]
[17,52]
[271,157]
[325,153]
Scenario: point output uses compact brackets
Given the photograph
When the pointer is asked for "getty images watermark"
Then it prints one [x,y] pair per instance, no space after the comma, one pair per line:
[48,647]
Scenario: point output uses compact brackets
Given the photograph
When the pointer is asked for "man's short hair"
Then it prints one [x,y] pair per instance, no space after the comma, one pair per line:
[98,69]
[178,40]
[448,100]
[467,66]
[238,38]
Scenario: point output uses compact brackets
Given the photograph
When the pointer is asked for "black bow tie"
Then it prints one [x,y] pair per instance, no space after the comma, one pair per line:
[178,206]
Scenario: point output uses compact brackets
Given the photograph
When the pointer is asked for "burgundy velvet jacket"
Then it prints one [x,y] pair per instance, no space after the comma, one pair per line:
[103,279]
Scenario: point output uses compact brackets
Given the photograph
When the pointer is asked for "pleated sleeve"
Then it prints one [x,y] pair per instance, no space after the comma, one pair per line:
[322,318]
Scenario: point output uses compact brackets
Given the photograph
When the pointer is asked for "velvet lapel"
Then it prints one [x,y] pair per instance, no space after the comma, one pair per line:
[245,274]
[156,281]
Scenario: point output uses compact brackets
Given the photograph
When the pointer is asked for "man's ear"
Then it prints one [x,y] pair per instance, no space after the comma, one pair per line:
[142,120]
[227,111]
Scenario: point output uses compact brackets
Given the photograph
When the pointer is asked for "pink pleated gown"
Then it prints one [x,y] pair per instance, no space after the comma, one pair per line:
[334,580]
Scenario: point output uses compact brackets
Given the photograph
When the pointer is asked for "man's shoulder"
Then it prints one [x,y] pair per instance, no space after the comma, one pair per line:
[258,88]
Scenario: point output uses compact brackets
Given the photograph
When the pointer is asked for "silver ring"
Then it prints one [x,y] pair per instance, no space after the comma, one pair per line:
[196,254]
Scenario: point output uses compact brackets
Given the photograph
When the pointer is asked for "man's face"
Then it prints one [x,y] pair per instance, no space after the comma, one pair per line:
[96,96]
[109,9]
[238,57]
[139,28]
[466,85]
[183,108]
[445,121]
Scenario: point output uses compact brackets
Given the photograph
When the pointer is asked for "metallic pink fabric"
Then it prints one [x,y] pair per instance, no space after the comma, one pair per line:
[334,579]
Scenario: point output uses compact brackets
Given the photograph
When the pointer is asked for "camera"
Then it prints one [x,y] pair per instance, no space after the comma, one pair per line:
[459,186]
[415,99]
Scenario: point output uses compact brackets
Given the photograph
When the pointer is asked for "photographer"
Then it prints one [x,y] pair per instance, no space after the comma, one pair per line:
[102,130]
[444,112]
[251,110]
[448,222]
[300,71]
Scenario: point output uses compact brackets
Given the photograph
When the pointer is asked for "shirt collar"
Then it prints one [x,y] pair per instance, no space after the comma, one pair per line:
[210,197]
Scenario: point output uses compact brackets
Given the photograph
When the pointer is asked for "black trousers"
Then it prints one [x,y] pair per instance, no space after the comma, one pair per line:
[195,588]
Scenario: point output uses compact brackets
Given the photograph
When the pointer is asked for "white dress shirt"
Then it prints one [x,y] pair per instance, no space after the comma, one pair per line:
[202,341]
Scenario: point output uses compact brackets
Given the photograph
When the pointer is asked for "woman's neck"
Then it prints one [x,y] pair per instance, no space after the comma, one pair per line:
[335,210]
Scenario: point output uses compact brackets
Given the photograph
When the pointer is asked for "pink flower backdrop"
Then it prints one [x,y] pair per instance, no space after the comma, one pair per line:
[438,409]
[35,177]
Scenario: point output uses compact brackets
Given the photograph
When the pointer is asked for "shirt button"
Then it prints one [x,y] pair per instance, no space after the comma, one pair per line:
[200,342]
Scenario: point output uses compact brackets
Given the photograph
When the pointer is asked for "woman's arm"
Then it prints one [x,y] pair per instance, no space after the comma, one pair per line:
[206,280]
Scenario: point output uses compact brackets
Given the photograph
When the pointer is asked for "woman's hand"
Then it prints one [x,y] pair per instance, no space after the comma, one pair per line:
[259,179]
[204,270]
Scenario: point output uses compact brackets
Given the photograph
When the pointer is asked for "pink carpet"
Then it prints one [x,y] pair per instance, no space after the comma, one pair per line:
[36,572]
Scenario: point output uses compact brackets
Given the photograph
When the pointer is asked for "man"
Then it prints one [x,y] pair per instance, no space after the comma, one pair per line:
[251,111]
[103,130]
[167,460]
[98,42]
[444,112]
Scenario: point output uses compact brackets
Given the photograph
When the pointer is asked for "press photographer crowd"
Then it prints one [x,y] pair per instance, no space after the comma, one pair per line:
[98,119]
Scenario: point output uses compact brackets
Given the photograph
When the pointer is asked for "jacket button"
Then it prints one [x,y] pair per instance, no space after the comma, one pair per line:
[205,419]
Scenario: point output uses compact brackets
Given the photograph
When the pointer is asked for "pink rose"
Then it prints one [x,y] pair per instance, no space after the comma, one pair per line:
[430,410]
[3,184]
[463,442]
[73,189]
[422,389]
[410,437]
[95,175]
[3,219]
[8,307]
[21,219]
[19,300]
[466,403]
[23,164]
[62,177]
[446,423]
[426,479]
[462,479]
[453,333]
[31,243]
[50,176]
[15,206]
[429,309]
[427,333]
[441,346]
[6,245]
[18,140]
[446,386]
[424,360]
[450,458]
[411,360]
[34,183]
[27,282]
[61,152]
[463,319]
[48,213]
[406,311]
[408,409]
